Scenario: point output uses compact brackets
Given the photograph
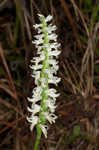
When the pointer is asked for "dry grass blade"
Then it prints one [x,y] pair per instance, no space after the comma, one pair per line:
[18,146]
[87,71]
[19,9]
[96,28]
[7,89]
[11,83]
[10,106]
[8,137]
[68,79]
[28,28]
[60,141]
[72,22]
[78,12]
[12,124]
[34,4]
[73,78]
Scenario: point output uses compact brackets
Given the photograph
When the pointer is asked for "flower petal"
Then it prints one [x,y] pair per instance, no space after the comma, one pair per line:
[33,121]
[35,109]
[50,117]
[44,129]
[50,103]
[48,18]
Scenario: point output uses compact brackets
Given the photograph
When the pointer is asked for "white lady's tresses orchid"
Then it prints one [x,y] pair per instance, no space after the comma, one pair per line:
[44,68]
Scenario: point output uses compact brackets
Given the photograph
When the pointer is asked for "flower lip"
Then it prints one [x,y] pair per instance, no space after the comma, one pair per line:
[44,129]
[35,109]
[36,26]
[50,117]
[49,18]
[33,120]
[51,105]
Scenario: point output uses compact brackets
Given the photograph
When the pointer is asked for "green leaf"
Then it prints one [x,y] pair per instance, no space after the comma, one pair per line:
[76,130]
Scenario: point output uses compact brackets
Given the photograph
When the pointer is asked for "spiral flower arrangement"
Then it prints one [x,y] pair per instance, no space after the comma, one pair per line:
[45,67]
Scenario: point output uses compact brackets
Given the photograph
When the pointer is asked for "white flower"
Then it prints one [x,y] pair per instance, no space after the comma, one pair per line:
[36,60]
[44,129]
[50,104]
[33,120]
[38,42]
[39,48]
[52,93]
[50,117]
[51,28]
[54,53]
[40,30]
[37,93]
[51,78]
[54,80]
[52,37]
[36,74]
[40,36]
[36,67]
[43,82]
[48,18]
[54,69]
[55,45]
[52,62]
[37,26]
[35,109]
[34,99]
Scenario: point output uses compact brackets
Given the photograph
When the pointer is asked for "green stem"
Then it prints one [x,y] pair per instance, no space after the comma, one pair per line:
[43,74]
[39,132]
